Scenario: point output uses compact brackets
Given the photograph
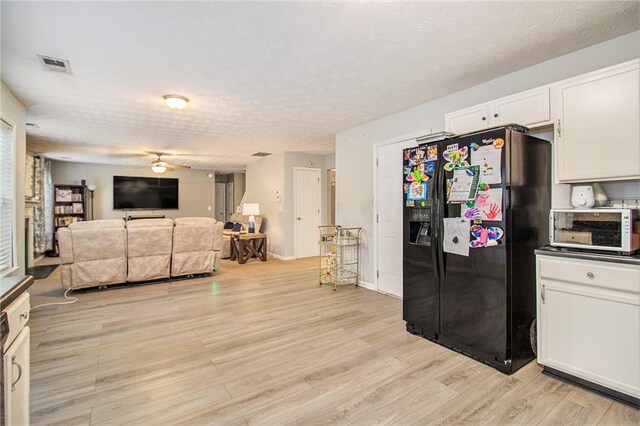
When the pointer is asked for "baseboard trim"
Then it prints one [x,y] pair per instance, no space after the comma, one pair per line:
[368,286]
[277,256]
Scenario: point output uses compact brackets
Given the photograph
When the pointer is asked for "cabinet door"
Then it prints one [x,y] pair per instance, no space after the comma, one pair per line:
[527,108]
[598,126]
[590,333]
[468,119]
[16,380]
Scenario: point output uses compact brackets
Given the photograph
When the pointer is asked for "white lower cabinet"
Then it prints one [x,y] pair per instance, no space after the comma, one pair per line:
[588,321]
[16,379]
[16,359]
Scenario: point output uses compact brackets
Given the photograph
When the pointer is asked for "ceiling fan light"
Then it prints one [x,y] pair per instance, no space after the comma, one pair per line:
[176,101]
[158,168]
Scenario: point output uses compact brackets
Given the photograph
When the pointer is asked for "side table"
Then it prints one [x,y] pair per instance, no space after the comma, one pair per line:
[247,246]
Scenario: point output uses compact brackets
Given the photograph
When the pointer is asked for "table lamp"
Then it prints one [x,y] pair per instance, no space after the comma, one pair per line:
[251,209]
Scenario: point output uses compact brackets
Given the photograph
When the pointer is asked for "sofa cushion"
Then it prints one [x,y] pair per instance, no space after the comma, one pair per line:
[192,263]
[98,272]
[193,234]
[149,237]
[98,244]
[148,268]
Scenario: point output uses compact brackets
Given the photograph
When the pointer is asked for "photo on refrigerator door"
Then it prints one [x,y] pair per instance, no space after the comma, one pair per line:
[417,192]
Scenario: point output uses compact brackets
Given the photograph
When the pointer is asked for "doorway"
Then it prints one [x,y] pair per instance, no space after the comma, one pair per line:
[306,210]
[221,201]
[388,213]
[229,201]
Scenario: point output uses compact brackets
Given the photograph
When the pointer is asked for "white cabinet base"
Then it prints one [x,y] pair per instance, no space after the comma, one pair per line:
[588,323]
[619,396]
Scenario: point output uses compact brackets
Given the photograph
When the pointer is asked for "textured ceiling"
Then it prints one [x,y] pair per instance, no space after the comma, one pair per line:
[265,76]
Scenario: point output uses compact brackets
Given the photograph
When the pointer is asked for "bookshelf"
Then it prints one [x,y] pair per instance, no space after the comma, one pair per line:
[69,206]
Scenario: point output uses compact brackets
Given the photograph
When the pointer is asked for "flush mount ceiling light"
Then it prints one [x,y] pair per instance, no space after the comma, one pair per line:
[176,101]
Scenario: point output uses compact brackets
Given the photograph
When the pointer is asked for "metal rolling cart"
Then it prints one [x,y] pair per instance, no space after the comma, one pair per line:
[339,255]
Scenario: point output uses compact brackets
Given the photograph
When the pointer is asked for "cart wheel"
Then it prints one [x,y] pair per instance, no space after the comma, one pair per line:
[334,289]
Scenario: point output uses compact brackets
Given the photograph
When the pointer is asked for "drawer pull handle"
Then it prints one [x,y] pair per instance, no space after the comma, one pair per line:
[13,362]
[590,275]
[542,295]
[24,315]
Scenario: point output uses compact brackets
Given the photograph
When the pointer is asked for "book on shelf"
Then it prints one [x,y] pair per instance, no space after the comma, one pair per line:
[75,208]
[67,220]
[63,195]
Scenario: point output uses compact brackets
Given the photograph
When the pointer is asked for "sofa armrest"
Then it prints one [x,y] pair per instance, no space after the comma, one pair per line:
[217,236]
[65,246]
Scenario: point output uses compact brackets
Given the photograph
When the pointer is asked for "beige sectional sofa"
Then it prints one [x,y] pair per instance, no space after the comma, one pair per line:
[104,252]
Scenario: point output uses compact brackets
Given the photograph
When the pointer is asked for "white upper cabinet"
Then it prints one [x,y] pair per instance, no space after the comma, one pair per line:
[597,124]
[527,108]
[530,108]
[468,119]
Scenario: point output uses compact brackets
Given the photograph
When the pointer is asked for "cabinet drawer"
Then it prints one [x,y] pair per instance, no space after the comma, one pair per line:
[17,316]
[607,275]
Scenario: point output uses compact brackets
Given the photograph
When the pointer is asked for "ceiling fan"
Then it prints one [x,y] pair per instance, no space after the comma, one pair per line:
[160,166]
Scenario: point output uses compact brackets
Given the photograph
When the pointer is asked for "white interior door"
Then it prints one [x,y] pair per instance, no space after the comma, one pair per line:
[389,216]
[230,202]
[221,205]
[306,210]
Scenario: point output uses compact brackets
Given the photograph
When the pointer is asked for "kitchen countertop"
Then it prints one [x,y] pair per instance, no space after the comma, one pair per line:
[585,255]
[12,287]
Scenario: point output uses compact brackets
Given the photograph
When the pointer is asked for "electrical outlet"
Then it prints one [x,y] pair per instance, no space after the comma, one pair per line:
[209,208]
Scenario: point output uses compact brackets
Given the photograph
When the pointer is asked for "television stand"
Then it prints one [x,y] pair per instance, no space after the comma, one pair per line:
[146,216]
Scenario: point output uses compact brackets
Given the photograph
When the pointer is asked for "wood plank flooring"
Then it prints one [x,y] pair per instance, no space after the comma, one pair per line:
[263,344]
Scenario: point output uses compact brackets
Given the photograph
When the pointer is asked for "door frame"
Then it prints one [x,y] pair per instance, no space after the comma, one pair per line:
[295,205]
[376,147]
[230,202]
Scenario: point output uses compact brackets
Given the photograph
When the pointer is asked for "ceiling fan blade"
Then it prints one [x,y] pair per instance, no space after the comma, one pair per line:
[178,166]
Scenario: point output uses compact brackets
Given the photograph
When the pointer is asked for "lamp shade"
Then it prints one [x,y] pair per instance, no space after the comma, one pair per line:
[91,187]
[251,209]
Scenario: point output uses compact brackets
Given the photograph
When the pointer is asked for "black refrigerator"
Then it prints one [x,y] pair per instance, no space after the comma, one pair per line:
[469,266]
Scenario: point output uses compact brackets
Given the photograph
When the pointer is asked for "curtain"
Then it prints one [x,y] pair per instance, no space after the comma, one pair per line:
[43,212]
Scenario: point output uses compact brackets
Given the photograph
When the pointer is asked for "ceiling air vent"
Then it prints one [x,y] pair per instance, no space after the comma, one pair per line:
[55,64]
[261,154]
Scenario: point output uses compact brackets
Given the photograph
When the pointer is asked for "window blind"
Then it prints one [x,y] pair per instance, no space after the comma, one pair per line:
[7,201]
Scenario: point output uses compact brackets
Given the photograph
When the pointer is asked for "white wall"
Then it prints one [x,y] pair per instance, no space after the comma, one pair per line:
[263,178]
[275,173]
[196,189]
[12,111]
[354,147]
[239,186]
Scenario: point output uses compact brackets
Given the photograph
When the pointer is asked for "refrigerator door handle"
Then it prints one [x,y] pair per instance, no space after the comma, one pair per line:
[435,227]
[442,189]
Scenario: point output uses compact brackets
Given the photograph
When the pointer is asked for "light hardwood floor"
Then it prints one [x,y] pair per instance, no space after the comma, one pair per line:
[262,343]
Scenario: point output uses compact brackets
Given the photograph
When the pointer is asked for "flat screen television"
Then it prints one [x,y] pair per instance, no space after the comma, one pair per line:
[144,193]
